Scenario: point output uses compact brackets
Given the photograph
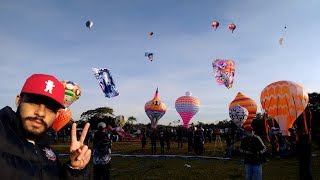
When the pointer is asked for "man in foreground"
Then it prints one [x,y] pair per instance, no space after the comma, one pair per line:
[23,155]
[253,150]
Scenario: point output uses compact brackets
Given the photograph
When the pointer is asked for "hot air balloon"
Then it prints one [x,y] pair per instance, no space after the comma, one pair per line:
[284,101]
[232,27]
[63,119]
[187,106]
[150,33]
[238,115]
[224,71]
[215,25]
[282,35]
[281,40]
[155,109]
[72,92]
[120,121]
[149,55]
[247,103]
[89,24]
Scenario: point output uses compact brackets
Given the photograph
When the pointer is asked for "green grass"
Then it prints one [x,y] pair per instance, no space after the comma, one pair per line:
[161,168]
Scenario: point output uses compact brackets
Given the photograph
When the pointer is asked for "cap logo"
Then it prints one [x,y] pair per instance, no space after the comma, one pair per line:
[49,87]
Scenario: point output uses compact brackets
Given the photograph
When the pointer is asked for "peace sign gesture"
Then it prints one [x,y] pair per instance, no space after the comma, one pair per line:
[79,153]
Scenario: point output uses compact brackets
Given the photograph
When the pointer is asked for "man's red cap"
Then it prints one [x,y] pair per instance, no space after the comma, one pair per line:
[248,129]
[45,85]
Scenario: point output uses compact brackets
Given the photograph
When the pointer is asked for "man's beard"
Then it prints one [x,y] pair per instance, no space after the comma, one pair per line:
[32,135]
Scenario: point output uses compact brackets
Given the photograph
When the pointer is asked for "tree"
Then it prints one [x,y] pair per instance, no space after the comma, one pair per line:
[223,124]
[129,125]
[132,119]
[101,114]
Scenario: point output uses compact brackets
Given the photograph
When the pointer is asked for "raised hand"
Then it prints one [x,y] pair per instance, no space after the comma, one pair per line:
[80,154]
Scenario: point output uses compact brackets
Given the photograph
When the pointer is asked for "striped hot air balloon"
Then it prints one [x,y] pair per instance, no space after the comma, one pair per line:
[187,106]
[63,119]
[247,103]
[284,101]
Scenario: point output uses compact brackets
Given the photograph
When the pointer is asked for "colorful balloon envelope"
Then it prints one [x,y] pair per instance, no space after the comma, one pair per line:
[155,109]
[72,92]
[284,101]
[238,115]
[187,106]
[120,121]
[215,25]
[247,103]
[63,119]
[232,27]
[224,71]
[150,33]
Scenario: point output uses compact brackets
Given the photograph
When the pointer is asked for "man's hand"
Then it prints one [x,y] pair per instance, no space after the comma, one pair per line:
[79,153]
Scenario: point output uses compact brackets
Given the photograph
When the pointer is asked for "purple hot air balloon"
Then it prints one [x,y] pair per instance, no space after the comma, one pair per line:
[187,106]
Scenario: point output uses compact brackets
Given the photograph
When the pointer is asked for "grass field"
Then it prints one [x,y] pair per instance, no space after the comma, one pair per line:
[173,168]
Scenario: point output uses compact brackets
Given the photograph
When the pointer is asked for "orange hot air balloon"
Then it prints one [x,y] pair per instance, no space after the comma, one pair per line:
[247,103]
[155,109]
[215,25]
[63,119]
[232,27]
[284,101]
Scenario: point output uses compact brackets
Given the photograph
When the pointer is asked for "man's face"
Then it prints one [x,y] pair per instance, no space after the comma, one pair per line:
[37,113]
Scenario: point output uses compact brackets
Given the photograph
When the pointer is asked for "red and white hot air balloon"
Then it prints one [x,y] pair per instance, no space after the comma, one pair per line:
[215,25]
[232,27]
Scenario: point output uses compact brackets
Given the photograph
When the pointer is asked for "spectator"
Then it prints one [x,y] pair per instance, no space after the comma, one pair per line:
[102,144]
[253,150]
[179,137]
[162,140]
[168,135]
[153,138]
[143,141]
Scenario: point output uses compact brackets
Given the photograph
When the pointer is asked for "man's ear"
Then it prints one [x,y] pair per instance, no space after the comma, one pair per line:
[18,100]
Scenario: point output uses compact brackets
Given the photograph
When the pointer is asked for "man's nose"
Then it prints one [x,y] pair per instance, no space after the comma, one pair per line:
[41,110]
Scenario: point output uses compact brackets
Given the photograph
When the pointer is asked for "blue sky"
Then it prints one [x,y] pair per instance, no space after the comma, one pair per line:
[51,37]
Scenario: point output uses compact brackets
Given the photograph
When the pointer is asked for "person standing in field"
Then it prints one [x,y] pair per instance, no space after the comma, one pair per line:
[253,150]
[102,144]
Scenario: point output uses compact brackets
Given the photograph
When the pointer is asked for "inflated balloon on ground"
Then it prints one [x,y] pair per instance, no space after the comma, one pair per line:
[284,101]
[247,103]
